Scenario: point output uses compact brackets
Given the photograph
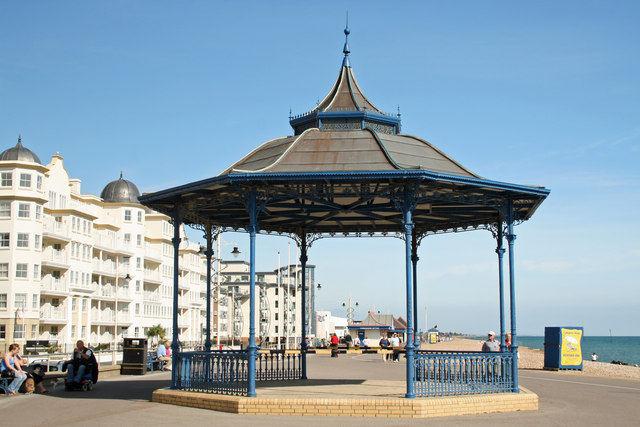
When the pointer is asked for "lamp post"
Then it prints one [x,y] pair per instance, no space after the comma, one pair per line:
[235,254]
[350,311]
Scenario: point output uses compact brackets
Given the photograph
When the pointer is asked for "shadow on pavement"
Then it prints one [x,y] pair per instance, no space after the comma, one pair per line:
[121,387]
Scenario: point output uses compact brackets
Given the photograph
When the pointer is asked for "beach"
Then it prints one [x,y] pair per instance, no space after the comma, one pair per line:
[534,359]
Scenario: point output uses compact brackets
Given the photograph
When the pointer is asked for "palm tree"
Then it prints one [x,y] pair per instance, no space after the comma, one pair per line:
[156,331]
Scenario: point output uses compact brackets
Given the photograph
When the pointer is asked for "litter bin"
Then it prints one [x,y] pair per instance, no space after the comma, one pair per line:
[563,347]
[134,356]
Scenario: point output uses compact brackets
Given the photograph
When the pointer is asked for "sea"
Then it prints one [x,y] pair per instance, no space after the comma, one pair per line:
[608,349]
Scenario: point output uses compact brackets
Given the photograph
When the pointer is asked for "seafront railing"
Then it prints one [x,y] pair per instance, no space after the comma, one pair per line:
[454,373]
[227,371]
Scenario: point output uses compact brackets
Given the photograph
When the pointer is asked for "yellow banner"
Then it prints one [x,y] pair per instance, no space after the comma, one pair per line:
[571,349]
[433,337]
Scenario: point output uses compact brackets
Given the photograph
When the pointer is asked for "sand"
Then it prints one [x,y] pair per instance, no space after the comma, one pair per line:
[534,359]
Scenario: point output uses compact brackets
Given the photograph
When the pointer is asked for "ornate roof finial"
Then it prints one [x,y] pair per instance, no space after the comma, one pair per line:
[120,174]
[345,50]
[19,139]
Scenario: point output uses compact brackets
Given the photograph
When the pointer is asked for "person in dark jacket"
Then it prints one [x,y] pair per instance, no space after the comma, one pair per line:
[83,361]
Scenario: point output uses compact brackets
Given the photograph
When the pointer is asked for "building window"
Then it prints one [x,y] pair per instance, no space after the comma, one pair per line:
[84,305]
[139,240]
[3,332]
[127,215]
[25,180]
[36,271]
[137,285]
[74,304]
[34,331]
[127,238]
[23,240]
[34,302]
[36,241]
[39,182]
[18,332]
[20,301]
[21,270]
[4,270]
[6,179]
[4,240]
[38,212]
[5,209]
[137,308]
[138,263]
[3,301]
[139,216]
[23,210]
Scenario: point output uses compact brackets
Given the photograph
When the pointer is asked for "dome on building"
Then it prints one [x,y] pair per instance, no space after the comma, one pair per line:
[120,191]
[20,153]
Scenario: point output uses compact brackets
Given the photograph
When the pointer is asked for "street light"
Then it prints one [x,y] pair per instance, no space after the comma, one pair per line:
[235,254]
[350,311]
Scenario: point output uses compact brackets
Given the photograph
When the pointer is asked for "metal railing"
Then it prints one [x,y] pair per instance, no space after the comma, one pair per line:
[226,371]
[221,372]
[278,365]
[455,373]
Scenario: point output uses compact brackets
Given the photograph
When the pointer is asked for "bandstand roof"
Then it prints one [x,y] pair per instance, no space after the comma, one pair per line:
[344,171]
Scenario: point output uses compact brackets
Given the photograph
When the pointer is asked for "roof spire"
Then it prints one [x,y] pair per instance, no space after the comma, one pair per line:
[345,50]
[120,174]
[19,139]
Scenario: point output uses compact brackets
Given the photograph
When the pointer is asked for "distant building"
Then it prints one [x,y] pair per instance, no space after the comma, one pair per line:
[78,266]
[374,326]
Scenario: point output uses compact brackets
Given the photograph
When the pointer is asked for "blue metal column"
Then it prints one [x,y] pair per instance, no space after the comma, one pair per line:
[252,350]
[414,261]
[208,253]
[408,228]
[500,252]
[176,272]
[512,287]
[303,307]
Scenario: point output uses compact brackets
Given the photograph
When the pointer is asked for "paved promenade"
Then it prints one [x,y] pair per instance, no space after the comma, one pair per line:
[565,399]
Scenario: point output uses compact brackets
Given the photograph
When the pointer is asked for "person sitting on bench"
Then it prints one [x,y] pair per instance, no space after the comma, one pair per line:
[83,361]
[11,368]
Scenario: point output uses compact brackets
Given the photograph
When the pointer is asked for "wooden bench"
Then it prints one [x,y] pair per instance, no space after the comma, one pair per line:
[153,363]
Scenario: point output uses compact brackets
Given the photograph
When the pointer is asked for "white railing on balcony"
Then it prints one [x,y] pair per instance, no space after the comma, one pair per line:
[102,316]
[151,296]
[54,227]
[124,317]
[152,275]
[53,255]
[152,253]
[49,283]
[53,313]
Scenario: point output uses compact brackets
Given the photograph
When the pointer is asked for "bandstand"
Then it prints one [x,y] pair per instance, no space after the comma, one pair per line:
[347,170]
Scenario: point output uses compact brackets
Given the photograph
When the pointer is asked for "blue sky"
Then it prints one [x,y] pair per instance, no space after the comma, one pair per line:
[542,93]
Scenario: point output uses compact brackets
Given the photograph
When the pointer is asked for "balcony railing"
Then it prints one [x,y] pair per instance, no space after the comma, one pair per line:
[53,313]
[53,285]
[56,256]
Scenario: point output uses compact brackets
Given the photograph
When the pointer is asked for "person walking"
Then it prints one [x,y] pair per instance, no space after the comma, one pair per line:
[395,344]
[491,345]
[384,345]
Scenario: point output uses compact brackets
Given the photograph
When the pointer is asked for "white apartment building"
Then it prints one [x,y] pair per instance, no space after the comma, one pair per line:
[277,304]
[77,266]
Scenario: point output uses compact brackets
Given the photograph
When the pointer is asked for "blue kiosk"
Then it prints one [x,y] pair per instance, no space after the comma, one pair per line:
[348,170]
